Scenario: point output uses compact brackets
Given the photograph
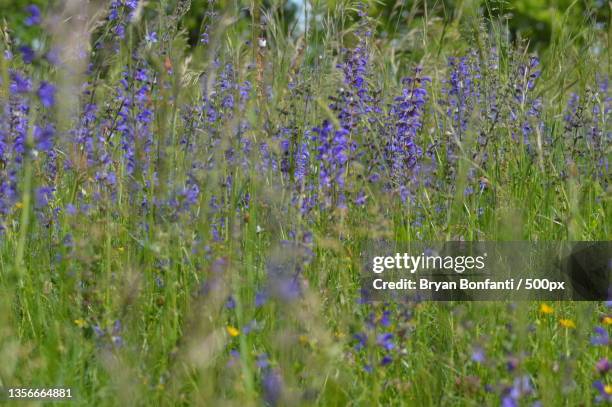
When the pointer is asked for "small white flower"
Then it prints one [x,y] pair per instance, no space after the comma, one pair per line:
[262,42]
[259,229]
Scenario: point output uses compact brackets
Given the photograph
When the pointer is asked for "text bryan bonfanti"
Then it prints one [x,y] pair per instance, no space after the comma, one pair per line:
[411,264]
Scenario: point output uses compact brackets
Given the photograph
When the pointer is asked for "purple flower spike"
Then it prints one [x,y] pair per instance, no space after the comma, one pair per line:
[46,94]
[27,53]
[272,384]
[34,15]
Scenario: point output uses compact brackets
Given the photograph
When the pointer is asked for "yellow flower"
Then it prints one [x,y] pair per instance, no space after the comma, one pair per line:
[232,331]
[19,205]
[608,388]
[546,309]
[80,322]
[607,320]
[567,323]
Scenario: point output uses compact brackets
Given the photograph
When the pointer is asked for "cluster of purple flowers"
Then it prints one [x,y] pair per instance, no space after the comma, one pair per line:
[462,92]
[20,138]
[402,149]
[333,154]
[526,108]
[521,387]
[121,12]
[318,163]
[382,339]
[355,103]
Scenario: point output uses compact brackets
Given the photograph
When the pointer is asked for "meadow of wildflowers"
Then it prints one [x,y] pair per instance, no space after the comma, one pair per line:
[181,221]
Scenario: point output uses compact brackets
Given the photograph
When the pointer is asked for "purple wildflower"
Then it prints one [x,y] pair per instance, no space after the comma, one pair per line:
[520,387]
[402,151]
[204,38]
[523,86]
[120,31]
[512,363]
[71,209]
[603,365]
[601,337]
[572,113]
[43,196]
[262,361]
[385,340]
[508,401]
[333,154]
[249,327]
[460,92]
[603,394]
[360,200]
[356,100]
[234,357]
[272,384]
[116,337]
[386,360]
[260,298]
[43,136]
[362,340]
[131,4]
[478,355]
[33,17]
[385,318]
[151,37]
[53,56]
[302,161]
[230,303]
[19,83]
[46,94]
[27,53]
[98,331]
